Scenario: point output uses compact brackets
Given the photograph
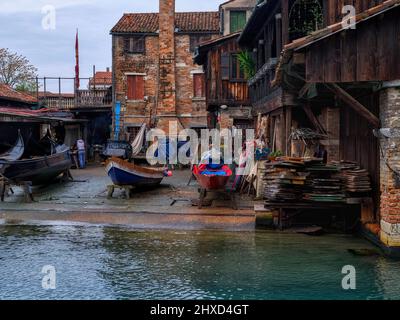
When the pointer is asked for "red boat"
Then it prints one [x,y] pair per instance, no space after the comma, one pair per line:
[212,179]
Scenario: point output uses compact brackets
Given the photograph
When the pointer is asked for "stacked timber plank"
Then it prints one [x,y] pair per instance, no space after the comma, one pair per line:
[323,185]
[303,179]
[284,181]
[355,179]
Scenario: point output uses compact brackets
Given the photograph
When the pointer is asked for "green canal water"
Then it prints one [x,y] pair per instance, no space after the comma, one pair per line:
[100,262]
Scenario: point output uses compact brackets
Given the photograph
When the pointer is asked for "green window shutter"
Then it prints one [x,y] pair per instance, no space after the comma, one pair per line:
[237,20]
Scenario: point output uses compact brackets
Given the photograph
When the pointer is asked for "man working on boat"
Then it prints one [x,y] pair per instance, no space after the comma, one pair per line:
[80,144]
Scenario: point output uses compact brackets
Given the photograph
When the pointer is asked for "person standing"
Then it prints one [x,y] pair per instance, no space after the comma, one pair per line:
[80,144]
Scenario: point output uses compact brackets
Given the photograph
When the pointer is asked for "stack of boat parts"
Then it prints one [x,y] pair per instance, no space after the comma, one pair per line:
[355,179]
[285,181]
[323,184]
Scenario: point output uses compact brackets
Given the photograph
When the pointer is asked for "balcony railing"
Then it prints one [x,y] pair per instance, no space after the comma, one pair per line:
[61,94]
[260,84]
[93,98]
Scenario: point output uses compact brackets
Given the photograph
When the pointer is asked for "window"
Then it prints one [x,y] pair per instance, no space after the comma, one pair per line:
[236,71]
[198,85]
[135,87]
[225,66]
[132,133]
[135,44]
[196,40]
[237,20]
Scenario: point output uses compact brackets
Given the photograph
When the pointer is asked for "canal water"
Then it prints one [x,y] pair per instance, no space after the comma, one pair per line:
[100,262]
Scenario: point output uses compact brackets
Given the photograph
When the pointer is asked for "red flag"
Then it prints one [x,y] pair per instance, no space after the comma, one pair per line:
[77,82]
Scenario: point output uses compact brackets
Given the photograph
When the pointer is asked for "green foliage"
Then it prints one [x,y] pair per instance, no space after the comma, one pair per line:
[247,64]
[276,154]
[306,16]
[27,86]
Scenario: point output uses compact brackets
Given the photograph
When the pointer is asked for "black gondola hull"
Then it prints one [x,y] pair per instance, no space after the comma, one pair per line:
[38,171]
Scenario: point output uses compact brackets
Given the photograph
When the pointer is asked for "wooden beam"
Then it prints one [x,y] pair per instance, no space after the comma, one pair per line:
[285,22]
[353,103]
[313,119]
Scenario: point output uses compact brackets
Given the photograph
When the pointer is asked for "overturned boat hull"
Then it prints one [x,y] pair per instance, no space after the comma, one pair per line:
[123,173]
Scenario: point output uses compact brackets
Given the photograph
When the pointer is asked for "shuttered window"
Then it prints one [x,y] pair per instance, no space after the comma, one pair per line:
[135,44]
[198,85]
[237,20]
[135,87]
[225,66]
[236,71]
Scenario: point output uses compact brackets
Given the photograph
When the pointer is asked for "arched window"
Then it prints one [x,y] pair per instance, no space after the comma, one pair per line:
[305,16]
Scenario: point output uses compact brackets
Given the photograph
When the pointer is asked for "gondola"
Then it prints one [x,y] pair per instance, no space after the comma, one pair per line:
[39,170]
[124,173]
[16,152]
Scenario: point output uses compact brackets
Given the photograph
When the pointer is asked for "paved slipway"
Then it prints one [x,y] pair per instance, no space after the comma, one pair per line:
[167,207]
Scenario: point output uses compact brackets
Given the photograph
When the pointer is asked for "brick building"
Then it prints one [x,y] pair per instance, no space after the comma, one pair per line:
[154,77]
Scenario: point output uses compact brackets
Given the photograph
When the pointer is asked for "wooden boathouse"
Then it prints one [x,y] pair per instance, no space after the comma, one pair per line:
[340,78]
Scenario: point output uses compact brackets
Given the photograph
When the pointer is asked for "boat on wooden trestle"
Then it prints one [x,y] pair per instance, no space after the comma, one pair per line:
[124,173]
[38,170]
[212,179]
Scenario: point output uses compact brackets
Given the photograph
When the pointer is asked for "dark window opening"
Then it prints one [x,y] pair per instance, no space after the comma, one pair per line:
[225,66]
[236,71]
[136,44]
[132,133]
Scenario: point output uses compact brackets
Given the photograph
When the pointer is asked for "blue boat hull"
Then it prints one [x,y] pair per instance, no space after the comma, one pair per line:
[125,175]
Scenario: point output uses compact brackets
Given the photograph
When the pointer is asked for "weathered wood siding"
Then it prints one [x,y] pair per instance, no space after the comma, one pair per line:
[221,90]
[369,53]
[333,8]
[358,142]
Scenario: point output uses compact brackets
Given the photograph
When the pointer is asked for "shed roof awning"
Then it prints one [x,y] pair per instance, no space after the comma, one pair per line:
[42,115]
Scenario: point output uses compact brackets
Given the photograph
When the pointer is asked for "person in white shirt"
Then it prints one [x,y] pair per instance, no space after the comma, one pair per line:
[80,144]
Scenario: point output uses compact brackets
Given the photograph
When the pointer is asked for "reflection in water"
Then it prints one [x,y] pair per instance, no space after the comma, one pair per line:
[95,262]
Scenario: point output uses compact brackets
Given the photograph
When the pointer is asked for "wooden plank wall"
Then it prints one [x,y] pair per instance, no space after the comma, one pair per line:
[333,8]
[358,142]
[224,91]
[369,53]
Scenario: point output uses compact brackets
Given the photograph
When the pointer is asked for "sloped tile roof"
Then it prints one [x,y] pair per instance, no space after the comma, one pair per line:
[8,93]
[102,78]
[185,22]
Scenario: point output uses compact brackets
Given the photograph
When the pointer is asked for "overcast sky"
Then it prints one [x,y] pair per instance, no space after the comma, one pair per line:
[52,51]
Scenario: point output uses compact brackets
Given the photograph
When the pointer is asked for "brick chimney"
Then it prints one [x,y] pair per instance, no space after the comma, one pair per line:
[166,109]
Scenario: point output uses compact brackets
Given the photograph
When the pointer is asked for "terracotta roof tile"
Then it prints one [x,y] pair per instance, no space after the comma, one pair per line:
[8,93]
[185,22]
[102,78]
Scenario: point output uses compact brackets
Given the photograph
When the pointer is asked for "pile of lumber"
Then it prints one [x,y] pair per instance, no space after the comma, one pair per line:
[284,181]
[354,178]
[323,185]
